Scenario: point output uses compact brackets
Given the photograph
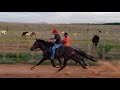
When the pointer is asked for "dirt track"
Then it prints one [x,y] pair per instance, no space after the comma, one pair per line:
[106,70]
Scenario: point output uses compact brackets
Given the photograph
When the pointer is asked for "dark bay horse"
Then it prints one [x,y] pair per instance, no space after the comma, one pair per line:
[65,52]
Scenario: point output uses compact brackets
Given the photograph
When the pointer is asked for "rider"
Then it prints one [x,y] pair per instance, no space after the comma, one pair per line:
[66,40]
[56,40]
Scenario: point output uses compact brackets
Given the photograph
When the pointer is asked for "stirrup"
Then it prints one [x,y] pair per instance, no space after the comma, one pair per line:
[51,59]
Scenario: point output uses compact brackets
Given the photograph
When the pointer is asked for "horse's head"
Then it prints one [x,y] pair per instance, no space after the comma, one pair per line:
[39,44]
[35,45]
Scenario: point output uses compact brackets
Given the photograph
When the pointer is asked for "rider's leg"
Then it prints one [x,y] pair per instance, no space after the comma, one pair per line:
[53,50]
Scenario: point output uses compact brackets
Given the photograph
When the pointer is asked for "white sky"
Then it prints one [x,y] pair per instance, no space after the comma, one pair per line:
[60,17]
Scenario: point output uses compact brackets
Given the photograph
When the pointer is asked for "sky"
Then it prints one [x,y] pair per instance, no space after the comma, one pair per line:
[60,17]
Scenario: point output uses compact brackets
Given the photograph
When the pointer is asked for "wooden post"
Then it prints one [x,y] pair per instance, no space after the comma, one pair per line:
[4,49]
[31,52]
[88,48]
[17,47]
[103,53]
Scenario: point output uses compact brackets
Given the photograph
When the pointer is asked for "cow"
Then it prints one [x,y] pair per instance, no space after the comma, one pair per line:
[95,41]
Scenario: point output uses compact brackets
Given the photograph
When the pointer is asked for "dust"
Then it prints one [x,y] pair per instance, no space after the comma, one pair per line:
[108,66]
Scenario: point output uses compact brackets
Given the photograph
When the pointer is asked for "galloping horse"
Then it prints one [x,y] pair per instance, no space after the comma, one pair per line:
[65,52]
[28,34]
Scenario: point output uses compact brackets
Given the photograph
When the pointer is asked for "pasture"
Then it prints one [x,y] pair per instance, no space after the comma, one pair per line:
[81,35]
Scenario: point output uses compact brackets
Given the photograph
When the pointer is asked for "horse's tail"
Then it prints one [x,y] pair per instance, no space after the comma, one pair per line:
[83,54]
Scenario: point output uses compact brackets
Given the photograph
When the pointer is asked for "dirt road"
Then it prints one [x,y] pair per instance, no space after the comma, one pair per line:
[106,70]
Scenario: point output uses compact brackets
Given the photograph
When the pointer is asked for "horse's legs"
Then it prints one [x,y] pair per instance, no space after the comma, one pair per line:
[75,58]
[64,64]
[43,59]
[60,62]
[83,62]
[93,45]
[76,62]
[96,45]
[53,64]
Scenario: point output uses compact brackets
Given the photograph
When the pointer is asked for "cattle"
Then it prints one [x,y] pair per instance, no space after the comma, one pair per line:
[28,34]
[24,33]
[95,41]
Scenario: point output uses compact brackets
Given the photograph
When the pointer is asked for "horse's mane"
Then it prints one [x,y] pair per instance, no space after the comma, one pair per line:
[42,41]
[49,44]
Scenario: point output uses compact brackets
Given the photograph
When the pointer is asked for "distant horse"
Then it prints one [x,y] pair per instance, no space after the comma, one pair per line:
[65,52]
[95,41]
[28,34]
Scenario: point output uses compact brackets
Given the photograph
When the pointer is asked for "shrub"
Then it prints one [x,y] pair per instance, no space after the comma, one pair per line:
[11,56]
[107,47]
[37,56]
[24,56]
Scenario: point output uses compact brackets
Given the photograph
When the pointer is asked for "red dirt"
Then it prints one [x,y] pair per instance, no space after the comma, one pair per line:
[106,70]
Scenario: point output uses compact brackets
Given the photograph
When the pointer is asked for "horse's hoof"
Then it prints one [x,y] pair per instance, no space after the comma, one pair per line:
[85,67]
[57,66]
[31,68]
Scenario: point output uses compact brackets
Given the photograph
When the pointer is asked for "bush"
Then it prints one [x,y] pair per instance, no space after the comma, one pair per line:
[37,56]
[11,56]
[107,47]
[25,56]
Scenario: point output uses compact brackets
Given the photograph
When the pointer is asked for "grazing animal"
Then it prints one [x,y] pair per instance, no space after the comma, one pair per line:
[62,32]
[28,34]
[3,32]
[99,30]
[87,29]
[65,52]
[95,41]
[33,33]
[75,34]
[24,33]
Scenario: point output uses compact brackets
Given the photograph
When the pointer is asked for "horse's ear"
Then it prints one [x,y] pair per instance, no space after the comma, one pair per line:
[36,39]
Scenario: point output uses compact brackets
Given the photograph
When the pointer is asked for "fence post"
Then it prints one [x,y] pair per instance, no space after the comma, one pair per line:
[88,48]
[17,47]
[4,49]
[31,52]
[103,54]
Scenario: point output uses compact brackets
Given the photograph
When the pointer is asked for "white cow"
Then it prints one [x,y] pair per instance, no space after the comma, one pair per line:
[3,32]
[28,34]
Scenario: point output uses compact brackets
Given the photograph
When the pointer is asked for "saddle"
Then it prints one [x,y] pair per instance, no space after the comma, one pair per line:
[59,50]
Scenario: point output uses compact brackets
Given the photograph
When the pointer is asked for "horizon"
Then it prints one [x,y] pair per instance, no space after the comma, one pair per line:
[57,23]
[60,17]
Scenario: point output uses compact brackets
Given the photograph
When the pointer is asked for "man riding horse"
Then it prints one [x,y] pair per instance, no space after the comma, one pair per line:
[57,41]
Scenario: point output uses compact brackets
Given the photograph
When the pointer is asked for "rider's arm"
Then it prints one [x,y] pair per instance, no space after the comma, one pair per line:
[52,40]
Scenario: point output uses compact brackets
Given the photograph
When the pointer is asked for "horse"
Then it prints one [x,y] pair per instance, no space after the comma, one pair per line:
[95,41]
[65,52]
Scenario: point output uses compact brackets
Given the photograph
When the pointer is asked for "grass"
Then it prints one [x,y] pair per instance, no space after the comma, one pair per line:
[15,43]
